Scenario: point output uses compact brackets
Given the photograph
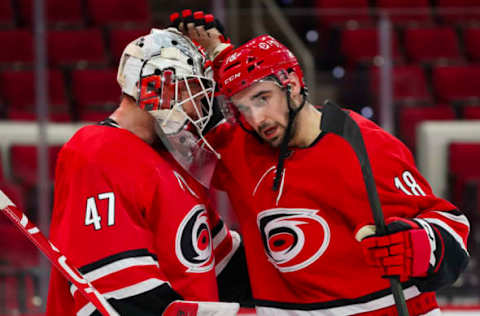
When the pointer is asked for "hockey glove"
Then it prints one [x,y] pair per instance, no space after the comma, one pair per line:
[203,29]
[190,308]
[405,251]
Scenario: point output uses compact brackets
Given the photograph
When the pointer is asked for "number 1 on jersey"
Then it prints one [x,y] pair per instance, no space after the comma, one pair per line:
[412,184]
[91,214]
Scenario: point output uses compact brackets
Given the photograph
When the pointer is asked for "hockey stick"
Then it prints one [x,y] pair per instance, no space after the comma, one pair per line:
[336,121]
[58,260]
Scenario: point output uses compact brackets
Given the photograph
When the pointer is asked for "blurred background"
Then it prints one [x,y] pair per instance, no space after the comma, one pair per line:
[412,66]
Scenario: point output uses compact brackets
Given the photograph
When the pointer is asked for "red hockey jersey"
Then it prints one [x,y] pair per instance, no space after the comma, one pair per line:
[132,223]
[302,256]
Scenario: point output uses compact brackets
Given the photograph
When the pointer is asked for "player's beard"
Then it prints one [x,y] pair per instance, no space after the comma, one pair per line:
[277,140]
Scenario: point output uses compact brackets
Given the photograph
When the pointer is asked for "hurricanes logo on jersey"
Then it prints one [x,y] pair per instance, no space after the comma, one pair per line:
[293,238]
[193,244]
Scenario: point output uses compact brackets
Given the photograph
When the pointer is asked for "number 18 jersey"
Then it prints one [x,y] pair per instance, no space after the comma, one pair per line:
[302,255]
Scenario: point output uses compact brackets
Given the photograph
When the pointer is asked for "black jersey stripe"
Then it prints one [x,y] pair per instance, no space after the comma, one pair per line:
[118,256]
[148,303]
[217,228]
[330,304]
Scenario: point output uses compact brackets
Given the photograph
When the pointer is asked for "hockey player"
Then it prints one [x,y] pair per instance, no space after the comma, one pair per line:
[299,194]
[132,220]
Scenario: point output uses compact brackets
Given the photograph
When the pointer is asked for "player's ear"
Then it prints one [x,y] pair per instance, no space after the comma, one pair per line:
[295,87]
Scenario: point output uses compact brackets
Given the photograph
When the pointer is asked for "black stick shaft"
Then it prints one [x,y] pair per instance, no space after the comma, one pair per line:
[336,121]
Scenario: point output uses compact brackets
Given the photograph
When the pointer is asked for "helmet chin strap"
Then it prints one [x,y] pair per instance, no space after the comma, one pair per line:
[292,113]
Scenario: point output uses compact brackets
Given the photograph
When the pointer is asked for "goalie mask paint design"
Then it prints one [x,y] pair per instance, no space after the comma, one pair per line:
[164,72]
[193,244]
[284,234]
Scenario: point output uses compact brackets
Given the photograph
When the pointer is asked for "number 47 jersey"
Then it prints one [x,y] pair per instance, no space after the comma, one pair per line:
[302,255]
[133,225]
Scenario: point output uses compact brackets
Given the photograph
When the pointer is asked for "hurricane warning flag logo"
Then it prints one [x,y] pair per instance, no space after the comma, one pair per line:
[193,244]
[293,238]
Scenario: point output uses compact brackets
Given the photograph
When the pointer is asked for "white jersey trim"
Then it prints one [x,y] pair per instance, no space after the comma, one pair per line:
[431,238]
[236,240]
[462,219]
[261,179]
[220,236]
[279,195]
[353,309]
[115,267]
[182,183]
[452,232]
[125,292]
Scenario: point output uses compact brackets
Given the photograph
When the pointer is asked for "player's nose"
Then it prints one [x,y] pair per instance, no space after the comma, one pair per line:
[257,116]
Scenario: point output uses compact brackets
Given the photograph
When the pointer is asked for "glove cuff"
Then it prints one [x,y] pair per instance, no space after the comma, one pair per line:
[421,251]
[219,49]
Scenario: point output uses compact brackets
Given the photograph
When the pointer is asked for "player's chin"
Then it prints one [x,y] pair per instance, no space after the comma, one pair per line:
[274,142]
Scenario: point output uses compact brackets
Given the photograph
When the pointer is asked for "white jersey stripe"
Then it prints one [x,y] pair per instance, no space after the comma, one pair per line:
[119,265]
[452,232]
[462,219]
[261,179]
[220,236]
[115,267]
[431,238]
[236,240]
[125,292]
[353,309]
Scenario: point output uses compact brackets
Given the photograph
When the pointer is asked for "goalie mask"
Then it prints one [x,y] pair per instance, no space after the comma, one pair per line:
[164,72]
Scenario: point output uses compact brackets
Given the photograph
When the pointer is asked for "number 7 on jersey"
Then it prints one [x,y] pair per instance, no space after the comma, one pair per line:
[91,213]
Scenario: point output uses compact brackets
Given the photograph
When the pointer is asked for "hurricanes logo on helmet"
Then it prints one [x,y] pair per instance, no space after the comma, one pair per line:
[232,57]
[263,45]
[193,244]
[293,238]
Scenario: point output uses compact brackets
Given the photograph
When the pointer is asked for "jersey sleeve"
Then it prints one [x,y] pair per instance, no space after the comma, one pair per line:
[182,230]
[404,192]
[230,263]
[102,232]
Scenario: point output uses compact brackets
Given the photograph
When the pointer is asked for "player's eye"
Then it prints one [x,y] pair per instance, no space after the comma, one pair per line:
[261,100]
[242,109]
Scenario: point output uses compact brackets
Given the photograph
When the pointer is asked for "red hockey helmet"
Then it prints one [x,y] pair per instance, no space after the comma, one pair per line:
[260,57]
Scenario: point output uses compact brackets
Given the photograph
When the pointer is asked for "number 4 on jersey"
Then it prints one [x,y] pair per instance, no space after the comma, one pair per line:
[91,214]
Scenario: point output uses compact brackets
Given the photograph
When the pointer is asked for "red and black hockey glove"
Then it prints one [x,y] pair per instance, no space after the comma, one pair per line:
[406,250]
[205,30]
[198,18]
